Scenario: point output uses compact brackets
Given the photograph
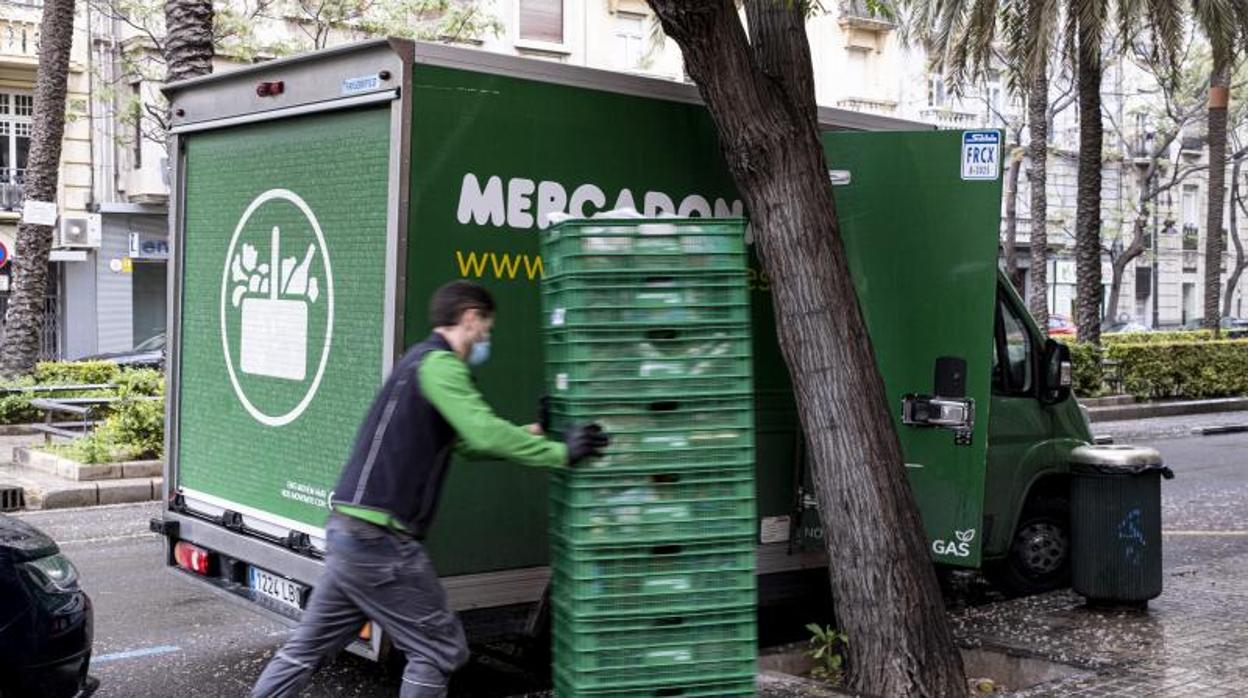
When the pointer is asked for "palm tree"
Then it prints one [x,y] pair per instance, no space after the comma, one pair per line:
[962,36]
[1087,22]
[1225,24]
[24,319]
[188,38]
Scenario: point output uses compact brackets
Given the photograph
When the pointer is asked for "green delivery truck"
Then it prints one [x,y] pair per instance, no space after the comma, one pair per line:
[318,200]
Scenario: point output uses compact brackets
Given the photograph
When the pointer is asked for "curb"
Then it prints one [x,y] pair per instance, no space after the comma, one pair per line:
[1166,409]
[1220,429]
[86,494]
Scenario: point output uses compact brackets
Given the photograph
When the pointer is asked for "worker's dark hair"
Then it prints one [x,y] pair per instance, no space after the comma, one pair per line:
[453,299]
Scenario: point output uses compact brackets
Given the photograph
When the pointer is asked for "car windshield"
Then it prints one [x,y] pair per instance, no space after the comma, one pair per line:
[155,343]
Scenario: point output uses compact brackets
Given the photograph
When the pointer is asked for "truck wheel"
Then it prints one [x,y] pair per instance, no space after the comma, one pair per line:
[1039,555]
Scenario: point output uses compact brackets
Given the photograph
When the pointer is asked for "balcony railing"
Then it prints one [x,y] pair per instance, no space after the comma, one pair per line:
[949,119]
[19,38]
[1191,260]
[855,13]
[12,189]
[872,106]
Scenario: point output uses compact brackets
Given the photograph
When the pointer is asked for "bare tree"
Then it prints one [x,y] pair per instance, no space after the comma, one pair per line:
[1178,106]
[24,319]
[760,92]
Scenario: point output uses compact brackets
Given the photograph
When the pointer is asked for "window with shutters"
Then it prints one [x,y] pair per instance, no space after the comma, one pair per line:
[541,21]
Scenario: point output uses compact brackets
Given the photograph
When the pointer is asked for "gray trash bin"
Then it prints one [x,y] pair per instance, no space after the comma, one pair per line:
[1115,511]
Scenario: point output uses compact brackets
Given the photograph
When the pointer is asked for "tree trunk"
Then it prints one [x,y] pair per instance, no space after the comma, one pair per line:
[884,585]
[1088,207]
[188,38]
[1011,219]
[24,319]
[1233,233]
[1038,154]
[1219,93]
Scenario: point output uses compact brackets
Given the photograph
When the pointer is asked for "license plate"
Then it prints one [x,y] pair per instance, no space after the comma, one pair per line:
[281,590]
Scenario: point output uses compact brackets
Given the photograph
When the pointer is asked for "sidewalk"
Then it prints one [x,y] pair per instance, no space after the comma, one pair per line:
[1189,643]
[44,490]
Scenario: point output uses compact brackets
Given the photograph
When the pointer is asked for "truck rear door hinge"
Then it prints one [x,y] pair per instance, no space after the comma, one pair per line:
[232,520]
[299,542]
[168,529]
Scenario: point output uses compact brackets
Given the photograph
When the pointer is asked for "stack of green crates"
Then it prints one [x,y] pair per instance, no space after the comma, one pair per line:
[646,329]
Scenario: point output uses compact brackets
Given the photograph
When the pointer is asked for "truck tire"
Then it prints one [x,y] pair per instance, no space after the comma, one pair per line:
[1039,556]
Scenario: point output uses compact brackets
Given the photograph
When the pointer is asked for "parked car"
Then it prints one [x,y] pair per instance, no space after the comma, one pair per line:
[1061,326]
[150,353]
[1232,327]
[45,617]
[1121,327]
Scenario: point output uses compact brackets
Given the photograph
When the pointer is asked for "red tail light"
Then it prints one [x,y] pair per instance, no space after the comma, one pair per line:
[193,558]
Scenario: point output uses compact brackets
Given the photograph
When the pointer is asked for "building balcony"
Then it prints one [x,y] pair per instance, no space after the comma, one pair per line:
[854,14]
[1191,260]
[19,41]
[868,105]
[949,118]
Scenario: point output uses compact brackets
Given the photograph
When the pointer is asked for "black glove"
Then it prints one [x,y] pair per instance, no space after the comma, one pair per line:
[543,413]
[584,441]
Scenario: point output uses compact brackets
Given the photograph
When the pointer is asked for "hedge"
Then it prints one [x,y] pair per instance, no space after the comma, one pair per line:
[1205,368]
[1190,370]
[1086,361]
[1157,337]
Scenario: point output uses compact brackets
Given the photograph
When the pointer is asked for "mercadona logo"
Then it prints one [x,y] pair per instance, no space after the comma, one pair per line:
[277,307]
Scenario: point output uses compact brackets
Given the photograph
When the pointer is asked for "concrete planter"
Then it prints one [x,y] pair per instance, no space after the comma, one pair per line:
[73,470]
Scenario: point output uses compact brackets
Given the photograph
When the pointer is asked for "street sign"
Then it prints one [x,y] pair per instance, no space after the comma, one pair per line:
[4,255]
[981,155]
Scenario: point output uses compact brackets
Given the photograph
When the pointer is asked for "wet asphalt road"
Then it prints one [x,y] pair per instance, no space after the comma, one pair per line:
[158,635]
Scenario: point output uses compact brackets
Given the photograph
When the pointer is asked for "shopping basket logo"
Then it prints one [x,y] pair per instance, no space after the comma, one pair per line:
[277,307]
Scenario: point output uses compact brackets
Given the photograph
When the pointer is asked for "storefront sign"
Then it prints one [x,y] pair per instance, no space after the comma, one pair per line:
[143,247]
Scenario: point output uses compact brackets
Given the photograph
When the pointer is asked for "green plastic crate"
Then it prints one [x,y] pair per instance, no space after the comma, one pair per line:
[671,506]
[737,686]
[596,244]
[733,308]
[675,343]
[734,624]
[731,414]
[658,377]
[597,580]
[683,661]
[690,433]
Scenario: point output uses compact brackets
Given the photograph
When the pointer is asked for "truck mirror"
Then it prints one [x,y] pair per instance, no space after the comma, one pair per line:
[1058,372]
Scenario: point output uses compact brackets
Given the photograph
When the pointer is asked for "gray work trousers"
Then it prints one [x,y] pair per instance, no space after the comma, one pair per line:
[372,574]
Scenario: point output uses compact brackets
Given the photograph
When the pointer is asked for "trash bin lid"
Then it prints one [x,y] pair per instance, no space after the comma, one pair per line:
[1115,459]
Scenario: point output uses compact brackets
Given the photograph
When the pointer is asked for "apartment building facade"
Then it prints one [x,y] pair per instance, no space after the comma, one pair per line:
[114,184]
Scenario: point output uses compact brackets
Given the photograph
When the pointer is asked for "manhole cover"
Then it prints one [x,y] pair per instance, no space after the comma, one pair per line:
[12,499]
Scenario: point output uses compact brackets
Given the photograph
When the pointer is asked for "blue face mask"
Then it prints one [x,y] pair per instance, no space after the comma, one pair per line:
[480,353]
